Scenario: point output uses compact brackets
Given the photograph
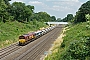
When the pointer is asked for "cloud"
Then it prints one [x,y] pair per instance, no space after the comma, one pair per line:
[63,7]
[54,7]
[35,2]
[63,0]
[69,5]
[16,1]
[38,4]
[57,6]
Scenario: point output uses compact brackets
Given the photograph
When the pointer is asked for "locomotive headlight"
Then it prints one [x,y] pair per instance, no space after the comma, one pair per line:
[32,36]
[22,40]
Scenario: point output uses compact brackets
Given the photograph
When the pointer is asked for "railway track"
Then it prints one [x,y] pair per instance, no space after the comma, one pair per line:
[40,50]
[8,50]
[33,50]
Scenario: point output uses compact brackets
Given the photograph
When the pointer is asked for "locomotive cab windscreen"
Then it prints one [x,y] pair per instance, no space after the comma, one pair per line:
[21,37]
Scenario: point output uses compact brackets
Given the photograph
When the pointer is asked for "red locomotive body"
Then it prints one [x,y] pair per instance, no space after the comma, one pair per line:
[24,39]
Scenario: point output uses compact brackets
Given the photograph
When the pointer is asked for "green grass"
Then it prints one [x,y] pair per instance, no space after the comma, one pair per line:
[10,31]
[76,44]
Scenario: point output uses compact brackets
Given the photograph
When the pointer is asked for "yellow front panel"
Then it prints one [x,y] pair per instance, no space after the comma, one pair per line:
[22,40]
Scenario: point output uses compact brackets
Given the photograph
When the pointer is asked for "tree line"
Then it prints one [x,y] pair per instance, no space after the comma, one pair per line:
[82,15]
[82,12]
[18,11]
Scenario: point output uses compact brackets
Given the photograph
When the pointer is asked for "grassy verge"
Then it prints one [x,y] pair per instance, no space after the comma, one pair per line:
[76,44]
[10,31]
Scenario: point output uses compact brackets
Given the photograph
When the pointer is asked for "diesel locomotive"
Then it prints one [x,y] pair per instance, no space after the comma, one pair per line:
[26,38]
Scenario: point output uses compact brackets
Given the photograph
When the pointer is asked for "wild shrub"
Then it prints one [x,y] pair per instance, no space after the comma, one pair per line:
[76,43]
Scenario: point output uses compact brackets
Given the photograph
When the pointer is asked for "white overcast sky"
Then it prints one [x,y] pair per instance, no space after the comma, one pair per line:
[57,8]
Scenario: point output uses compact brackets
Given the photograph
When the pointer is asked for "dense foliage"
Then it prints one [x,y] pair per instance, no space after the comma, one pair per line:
[18,11]
[82,12]
[18,18]
[68,18]
[76,44]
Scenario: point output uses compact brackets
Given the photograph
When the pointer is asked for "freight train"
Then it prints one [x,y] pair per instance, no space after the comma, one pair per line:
[26,38]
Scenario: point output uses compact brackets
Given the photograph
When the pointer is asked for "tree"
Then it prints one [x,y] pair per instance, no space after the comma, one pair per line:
[4,16]
[17,10]
[44,16]
[59,20]
[21,12]
[69,17]
[53,18]
[80,17]
[7,2]
[40,16]
[85,8]
[31,8]
[82,11]
[64,19]
[87,17]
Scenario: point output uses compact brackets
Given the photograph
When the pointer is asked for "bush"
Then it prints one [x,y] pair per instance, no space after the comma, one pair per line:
[76,43]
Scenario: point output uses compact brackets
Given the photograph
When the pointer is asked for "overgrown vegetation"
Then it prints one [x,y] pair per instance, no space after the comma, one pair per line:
[18,11]
[10,31]
[76,42]
[82,12]
[18,18]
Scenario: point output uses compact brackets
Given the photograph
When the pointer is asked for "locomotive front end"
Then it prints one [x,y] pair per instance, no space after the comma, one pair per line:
[22,40]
